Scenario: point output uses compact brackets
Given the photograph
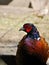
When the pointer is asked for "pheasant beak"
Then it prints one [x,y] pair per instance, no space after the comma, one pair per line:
[21,29]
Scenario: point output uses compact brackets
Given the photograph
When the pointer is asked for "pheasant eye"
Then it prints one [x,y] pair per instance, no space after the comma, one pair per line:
[28,28]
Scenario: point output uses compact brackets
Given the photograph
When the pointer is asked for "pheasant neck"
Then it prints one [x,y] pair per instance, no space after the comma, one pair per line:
[34,35]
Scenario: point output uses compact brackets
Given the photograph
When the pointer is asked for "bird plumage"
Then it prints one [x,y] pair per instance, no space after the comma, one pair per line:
[31,50]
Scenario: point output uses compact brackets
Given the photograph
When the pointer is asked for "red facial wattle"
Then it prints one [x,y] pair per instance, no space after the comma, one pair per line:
[27,28]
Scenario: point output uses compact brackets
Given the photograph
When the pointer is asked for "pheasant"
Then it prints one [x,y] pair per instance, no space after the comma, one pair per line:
[32,49]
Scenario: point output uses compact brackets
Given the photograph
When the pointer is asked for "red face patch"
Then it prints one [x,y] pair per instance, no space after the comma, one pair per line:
[28,28]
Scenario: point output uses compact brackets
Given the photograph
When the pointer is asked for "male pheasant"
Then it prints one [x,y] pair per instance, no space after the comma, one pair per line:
[32,49]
